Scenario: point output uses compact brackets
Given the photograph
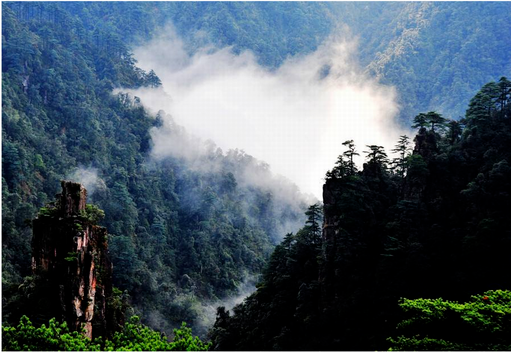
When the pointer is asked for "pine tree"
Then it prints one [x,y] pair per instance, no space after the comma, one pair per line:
[314,222]
[404,151]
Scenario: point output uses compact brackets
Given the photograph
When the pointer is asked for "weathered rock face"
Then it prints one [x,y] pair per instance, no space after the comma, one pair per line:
[71,253]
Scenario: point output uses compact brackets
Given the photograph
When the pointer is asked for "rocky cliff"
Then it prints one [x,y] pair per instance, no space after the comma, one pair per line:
[70,255]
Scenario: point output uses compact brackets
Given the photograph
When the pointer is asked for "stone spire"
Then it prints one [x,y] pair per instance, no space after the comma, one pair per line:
[70,252]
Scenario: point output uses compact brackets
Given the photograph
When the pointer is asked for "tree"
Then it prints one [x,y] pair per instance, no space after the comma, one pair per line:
[184,341]
[350,153]
[492,99]
[377,160]
[345,165]
[134,337]
[376,154]
[504,93]
[435,120]
[314,222]
[152,80]
[454,131]
[483,323]
[431,119]
[417,171]
[55,337]
[404,151]
[138,337]
[420,121]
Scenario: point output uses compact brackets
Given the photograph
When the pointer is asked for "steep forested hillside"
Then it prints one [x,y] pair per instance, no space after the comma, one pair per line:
[436,54]
[180,235]
[431,223]
[188,233]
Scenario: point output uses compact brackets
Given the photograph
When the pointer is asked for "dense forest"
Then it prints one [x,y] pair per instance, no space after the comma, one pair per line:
[181,236]
[432,223]
[186,236]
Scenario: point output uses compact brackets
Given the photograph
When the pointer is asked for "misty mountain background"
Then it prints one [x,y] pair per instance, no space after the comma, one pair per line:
[191,229]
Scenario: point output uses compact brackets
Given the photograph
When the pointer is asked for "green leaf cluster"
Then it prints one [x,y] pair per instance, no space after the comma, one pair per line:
[54,337]
[436,324]
[134,337]
[137,337]
[92,214]
[72,257]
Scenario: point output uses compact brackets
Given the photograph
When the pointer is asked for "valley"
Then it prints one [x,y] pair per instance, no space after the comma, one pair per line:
[215,138]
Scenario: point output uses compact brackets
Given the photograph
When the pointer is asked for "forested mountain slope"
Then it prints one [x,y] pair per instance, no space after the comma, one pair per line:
[180,235]
[431,223]
[436,54]
[186,233]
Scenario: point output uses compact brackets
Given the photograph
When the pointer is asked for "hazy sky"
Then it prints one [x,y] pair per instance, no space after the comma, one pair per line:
[294,118]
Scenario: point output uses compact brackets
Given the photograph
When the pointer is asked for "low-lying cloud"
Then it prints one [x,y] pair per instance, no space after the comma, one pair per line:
[204,156]
[209,309]
[88,177]
[295,118]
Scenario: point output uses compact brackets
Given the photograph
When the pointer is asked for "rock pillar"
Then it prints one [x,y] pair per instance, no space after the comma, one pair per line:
[70,252]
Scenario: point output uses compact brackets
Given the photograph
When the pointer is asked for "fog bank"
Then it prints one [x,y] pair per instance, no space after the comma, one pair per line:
[294,118]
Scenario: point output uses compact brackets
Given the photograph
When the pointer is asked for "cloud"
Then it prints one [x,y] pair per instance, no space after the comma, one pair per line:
[288,202]
[88,177]
[295,117]
[209,309]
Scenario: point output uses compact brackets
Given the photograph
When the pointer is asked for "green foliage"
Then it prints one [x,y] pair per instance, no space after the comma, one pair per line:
[72,257]
[485,322]
[54,337]
[134,337]
[48,211]
[138,337]
[424,344]
[184,341]
[92,213]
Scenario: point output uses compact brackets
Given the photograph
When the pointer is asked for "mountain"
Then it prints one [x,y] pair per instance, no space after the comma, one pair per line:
[179,233]
[436,54]
[433,223]
[186,233]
